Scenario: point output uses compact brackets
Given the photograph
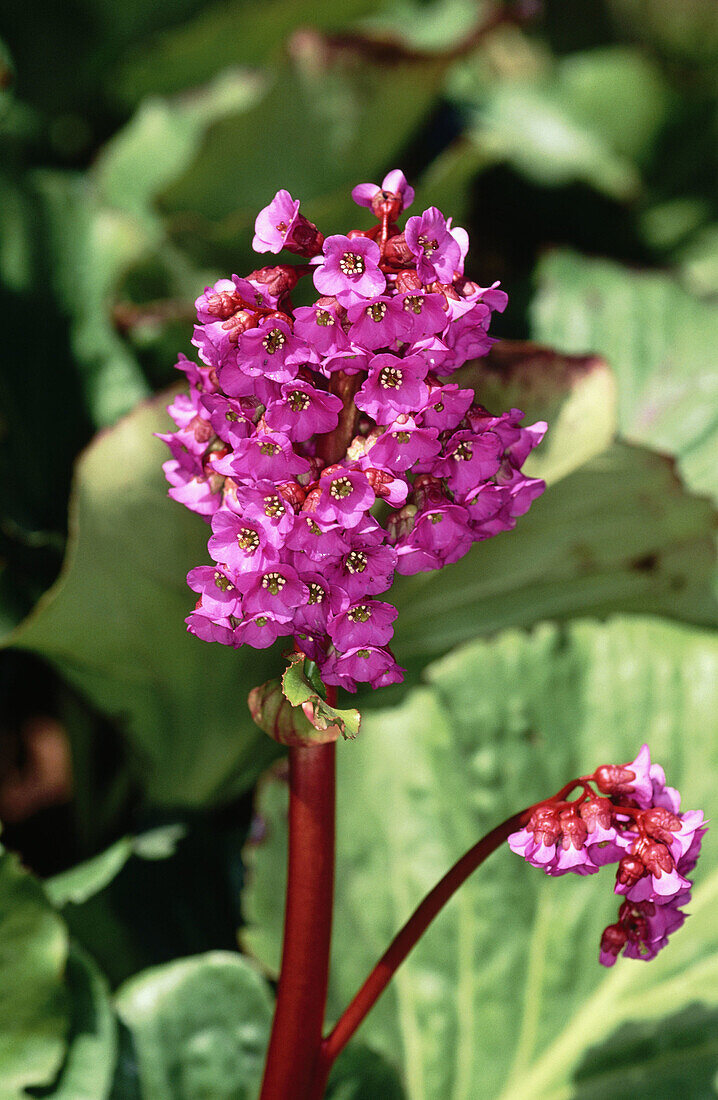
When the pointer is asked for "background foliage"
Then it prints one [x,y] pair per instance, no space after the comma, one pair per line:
[576,140]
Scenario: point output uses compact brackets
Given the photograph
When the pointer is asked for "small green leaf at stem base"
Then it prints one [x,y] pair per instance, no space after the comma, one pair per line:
[294,712]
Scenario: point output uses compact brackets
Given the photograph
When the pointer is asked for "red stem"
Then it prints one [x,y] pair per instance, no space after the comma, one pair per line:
[402,944]
[302,993]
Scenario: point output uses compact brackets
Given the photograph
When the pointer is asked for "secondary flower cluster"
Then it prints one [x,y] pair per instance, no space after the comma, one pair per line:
[635,822]
[325,444]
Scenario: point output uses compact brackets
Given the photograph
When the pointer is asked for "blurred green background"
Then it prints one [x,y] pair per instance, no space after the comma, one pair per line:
[577,141]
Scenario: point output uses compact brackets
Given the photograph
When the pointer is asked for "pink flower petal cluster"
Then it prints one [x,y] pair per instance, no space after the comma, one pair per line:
[635,821]
[327,446]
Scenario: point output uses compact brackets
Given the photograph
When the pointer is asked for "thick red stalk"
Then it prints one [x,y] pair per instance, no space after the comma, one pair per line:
[302,993]
[402,944]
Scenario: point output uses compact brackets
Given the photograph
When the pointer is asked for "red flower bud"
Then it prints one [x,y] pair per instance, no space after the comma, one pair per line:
[379,480]
[397,251]
[293,493]
[428,490]
[545,825]
[239,323]
[661,824]
[655,856]
[407,281]
[614,939]
[596,812]
[223,304]
[573,829]
[630,870]
[387,202]
[613,778]
[279,280]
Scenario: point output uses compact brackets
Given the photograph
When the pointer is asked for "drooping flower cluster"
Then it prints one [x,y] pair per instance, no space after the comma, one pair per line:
[324,443]
[636,822]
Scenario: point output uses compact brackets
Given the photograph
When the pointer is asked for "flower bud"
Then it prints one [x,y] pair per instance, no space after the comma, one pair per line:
[305,239]
[596,812]
[397,251]
[278,280]
[293,493]
[387,203]
[613,778]
[630,870]
[545,825]
[573,829]
[661,824]
[613,939]
[222,305]
[655,857]
[239,323]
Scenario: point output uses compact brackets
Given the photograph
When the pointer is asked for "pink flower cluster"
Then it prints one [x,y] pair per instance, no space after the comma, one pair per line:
[635,822]
[325,444]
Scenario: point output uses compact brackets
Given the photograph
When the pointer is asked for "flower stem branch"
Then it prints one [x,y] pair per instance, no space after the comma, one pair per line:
[402,944]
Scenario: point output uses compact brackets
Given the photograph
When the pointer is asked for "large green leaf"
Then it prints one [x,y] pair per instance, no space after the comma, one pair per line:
[505,996]
[89,247]
[557,124]
[574,394]
[361,1074]
[199,1026]
[33,1002]
[660,341]
[86,1073]
[226,34]
[83,881]
[162,139]
[618,534]
[348,114]
[114,625]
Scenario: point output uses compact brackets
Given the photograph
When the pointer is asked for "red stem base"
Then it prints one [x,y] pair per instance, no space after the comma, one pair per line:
[302,993]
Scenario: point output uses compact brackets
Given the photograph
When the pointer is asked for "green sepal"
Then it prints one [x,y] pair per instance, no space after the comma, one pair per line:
[293,710]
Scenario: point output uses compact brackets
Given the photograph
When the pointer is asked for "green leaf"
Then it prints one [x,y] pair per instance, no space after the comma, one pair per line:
[222,35]
[292,711]
[162,139]
[688,33]
[33,1002]
[284,723]
[113,625]
[87,879]
[360,1073]
[659,340]
[558,125]
[574,394]
[348,113]
[91,247]
[86,1073]
[618,534]
[200,1028]
[82,882]
[504,996]
[301,693]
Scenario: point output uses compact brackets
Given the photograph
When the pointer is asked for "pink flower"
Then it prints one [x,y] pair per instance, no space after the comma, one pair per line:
[393,184]
[393,386]
[437,252]
[654,845]
[350,270]
[280,225]
[300,546]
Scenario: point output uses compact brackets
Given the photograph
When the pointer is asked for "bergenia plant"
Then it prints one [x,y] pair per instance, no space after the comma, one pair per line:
[329,450]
